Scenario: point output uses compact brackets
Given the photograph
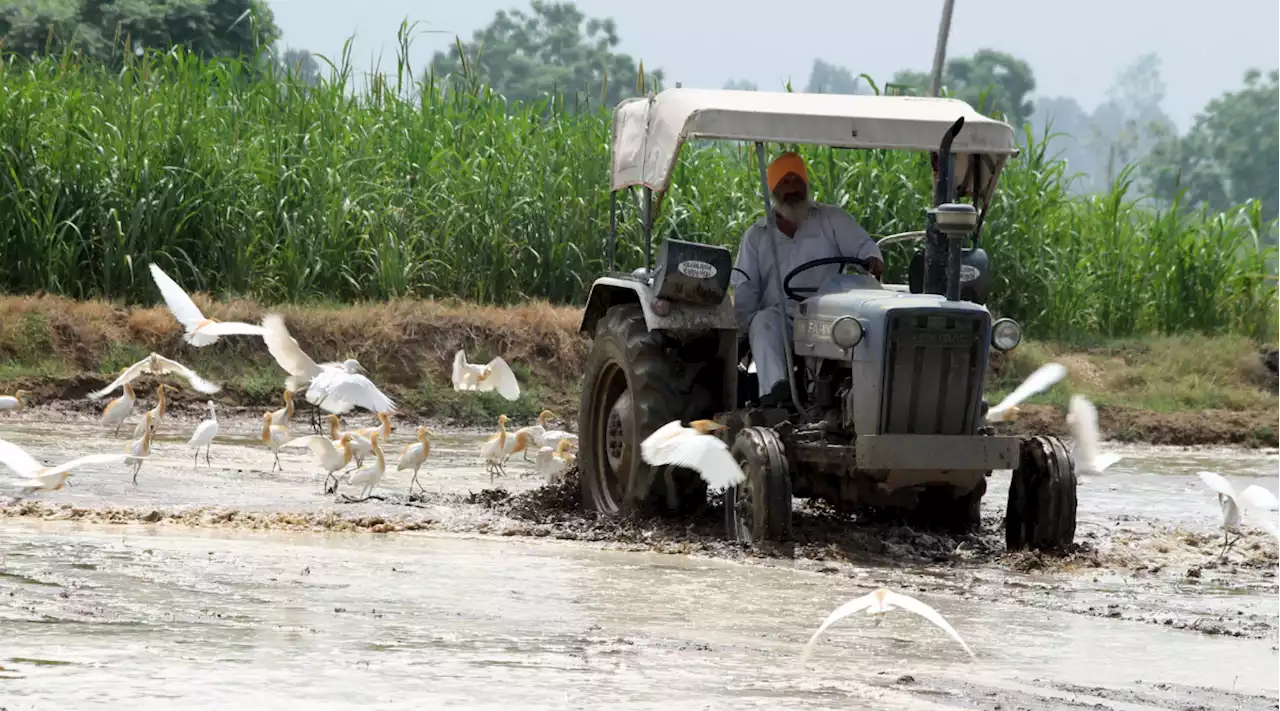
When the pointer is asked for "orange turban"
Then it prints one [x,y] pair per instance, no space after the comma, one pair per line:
[788,162]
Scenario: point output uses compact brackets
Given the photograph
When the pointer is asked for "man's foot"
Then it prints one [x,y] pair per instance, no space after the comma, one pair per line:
[778,396]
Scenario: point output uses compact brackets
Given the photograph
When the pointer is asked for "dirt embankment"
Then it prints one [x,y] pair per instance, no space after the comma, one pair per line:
[1179,390]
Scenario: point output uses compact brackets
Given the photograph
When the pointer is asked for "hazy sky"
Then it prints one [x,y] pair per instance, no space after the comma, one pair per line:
[1074,48]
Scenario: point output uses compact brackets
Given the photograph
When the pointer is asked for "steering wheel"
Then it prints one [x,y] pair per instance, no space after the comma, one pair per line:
[802,292]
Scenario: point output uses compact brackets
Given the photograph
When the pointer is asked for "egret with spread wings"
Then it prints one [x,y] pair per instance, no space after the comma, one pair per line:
[156,364]
[336,387]
[694,448]
[494,375]
[201,330]
[36,476]
[879,602]
[1045,377]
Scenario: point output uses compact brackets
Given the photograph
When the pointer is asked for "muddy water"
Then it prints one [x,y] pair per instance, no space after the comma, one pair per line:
[214,617]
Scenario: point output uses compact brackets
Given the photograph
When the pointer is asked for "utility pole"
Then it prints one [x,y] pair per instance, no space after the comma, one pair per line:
[940,51]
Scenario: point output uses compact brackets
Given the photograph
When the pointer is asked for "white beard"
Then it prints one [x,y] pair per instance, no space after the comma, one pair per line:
[795,212]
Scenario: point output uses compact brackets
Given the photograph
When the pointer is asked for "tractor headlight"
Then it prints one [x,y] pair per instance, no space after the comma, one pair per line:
[846,332]
[1006,334]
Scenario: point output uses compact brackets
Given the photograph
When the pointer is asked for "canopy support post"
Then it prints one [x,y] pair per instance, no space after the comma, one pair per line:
[772,226]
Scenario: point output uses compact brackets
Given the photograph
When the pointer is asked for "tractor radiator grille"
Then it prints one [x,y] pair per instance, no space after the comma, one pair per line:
[933,371]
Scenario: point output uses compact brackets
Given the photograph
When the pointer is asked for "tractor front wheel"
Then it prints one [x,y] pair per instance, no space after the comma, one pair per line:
[759,509]
[1041,513]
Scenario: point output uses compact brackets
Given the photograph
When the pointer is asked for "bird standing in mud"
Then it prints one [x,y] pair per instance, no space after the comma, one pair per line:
[413,457]
[156,364]
[37,477]
[1045,377]
[879,602]
[495,375]
[157,412]
[1082,417]
[285,414]
[15,402]
[552,463]
[695,448]
[140,448]
[494,450]
[274,436]
[332,458]
[200,330]
[360,445]
[119,409]
[1234,503]
[369,476]
[536,431]
[203,436]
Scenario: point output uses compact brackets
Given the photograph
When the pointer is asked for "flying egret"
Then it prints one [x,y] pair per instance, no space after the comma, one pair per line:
[37,477]
[493,451]
[273,436]
[694,448]
[1045,377]
[1234,503]
[156,364]
[335,387]
[140,449]
[332,458]
[203,436]
[157,412]
[200,330]
[291,358]
[879,602]
[1082,417]
[284,414]
[552,463]
[119,409]
[413,457]
[494,375]
[15,402]
[368,477]
[536,430]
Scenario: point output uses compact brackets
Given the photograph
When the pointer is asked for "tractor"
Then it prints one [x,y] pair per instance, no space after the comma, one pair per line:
[886,381]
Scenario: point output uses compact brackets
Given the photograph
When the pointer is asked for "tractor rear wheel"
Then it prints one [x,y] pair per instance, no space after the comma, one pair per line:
[759,509]
[631,386]
[1041,513]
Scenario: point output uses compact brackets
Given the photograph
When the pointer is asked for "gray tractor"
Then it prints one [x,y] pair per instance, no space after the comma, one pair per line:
[887,378]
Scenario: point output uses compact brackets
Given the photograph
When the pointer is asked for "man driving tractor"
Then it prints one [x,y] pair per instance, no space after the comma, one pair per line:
[807,230]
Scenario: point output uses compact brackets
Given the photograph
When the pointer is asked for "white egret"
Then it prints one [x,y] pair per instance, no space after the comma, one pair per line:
[879,602]
[369,476]
[360,445]
[200,330]
[119,409]
[157,412]
[284,414]
[36,476]
[414,456]
[203,436]
[494,450]
[551,438]
[273,436]
[156,364]
[1083,420]
[536,430]
[1234,504]
[15,402]
[552,463]
[694,448]
[332,458]
[495,375]
[335,387]
[140,449]
[516,442]
[384,426]
[1045,377]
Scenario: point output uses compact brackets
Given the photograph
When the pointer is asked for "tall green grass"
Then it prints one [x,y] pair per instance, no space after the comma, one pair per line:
[242,184]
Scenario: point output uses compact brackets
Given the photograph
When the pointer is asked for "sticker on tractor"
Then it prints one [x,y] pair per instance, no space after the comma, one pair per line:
[968,273]
[695,269]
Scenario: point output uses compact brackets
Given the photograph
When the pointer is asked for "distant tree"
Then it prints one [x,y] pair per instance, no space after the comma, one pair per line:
[827,78]
[208,27]
[555,48]
[301,64]
[741,85]
[1230,153]
[988,81]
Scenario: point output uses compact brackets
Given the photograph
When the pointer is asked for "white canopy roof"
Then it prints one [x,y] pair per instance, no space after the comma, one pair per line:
[649,132]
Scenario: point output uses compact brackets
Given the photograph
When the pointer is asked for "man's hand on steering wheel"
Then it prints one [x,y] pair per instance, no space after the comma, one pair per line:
[876,267]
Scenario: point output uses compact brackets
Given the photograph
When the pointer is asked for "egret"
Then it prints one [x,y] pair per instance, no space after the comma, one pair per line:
[1045,377]
[336,387]
[157,412]
[537,430]
[1234,503]
[200,330]
[360,445]
[384,427]
[553,437]
[1083,420]
[494,375]
[37,477]
[695,448]
[203,436]
[140,448]
[284,414]
[16,402]
[413,457]
[119,409]
[332,458]
[273,436]
[552,463]
[879,602]
[156,364]
[493,451]
[369,476]
[516,442]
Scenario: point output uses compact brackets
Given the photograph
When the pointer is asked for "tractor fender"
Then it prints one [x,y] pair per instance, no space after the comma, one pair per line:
[607,292]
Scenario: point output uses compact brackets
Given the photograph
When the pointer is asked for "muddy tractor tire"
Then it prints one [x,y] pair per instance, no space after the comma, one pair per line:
[631,386]
[759,509]
[1041,513]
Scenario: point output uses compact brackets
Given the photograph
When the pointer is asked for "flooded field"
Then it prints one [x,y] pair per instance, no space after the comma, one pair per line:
[230,586]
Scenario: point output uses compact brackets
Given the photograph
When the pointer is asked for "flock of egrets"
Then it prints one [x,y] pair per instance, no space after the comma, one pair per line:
[339,387]
[336,387]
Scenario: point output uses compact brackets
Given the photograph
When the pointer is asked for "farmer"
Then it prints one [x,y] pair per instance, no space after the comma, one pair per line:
[807,230]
